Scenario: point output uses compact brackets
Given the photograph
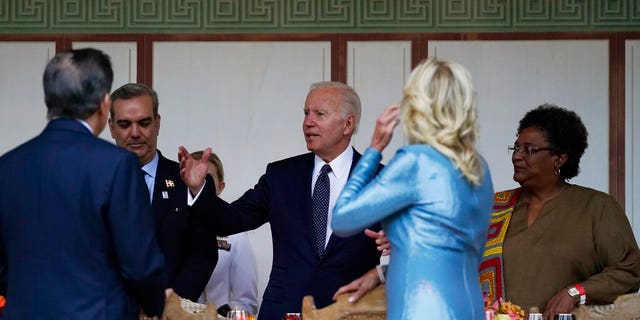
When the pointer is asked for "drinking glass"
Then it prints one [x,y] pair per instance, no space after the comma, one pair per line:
[238,314]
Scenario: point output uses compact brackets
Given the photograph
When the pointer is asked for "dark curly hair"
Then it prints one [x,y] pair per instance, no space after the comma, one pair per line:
[564,131]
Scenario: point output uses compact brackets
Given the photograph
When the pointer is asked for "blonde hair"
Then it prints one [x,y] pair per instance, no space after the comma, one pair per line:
[439,109]
[214,160]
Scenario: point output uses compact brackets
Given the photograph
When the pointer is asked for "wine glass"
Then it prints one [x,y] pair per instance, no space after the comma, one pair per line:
[238,314]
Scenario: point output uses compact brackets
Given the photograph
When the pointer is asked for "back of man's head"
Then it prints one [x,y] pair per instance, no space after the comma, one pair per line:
[76,82]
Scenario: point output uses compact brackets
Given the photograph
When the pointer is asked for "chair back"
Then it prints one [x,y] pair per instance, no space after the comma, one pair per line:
[372,306]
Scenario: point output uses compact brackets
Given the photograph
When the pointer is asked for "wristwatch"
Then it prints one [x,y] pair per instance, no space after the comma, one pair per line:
[574,293]
[578,293]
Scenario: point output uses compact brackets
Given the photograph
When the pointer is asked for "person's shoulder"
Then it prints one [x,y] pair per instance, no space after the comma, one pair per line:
[166,165]
[583,192]
[241,236]
[120,153]
[594,202]
[108,148]
[166,161]
[105,157]
[292,162]
[18,151]
[426,154]
[505,198]
[296,158]
[168,168]
[420,148]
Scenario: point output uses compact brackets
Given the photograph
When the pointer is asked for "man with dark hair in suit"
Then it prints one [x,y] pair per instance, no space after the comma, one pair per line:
[190,249]
[307,258]
[76,236]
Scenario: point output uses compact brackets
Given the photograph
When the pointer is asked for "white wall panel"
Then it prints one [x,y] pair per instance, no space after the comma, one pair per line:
[23,113]
[377,70]
[245,100]
[632,134]
[123,61]
[513,77]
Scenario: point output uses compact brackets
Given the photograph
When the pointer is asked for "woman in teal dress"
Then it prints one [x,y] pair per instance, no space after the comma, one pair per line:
[434,197]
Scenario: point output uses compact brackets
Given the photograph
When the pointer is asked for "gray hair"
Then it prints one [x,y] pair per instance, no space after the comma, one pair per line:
[349,97]
[75,83]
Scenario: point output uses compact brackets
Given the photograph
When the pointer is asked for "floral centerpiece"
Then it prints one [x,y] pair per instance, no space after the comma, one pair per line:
[502,310]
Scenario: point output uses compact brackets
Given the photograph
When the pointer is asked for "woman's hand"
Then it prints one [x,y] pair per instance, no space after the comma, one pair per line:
[361,286]
[561,302]
[386,122]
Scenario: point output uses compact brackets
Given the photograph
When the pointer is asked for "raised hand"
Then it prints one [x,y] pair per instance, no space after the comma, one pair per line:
[386,122]
[193,172]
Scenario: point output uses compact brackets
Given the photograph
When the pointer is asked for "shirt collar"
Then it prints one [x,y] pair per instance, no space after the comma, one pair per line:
[84,123]
[152,166]
[340,166]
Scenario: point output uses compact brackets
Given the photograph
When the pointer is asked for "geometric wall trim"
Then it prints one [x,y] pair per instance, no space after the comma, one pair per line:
[341,16]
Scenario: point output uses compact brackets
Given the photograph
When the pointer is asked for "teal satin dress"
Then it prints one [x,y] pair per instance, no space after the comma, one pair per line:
[436,222]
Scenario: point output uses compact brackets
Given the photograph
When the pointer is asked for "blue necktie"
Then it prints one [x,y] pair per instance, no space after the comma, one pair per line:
[148,179]
[320,201]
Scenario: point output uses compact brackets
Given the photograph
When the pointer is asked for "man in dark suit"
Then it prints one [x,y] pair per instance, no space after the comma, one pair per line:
[283,197]
[76,236]
[190,248]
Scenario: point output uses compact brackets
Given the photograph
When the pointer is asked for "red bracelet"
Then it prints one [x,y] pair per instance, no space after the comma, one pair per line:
[583,294]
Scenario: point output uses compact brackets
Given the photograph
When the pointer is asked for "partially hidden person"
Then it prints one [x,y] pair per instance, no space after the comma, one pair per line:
[234,281]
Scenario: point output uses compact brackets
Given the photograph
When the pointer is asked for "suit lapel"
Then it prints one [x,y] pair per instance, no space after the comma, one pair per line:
[163,189]
[302,187]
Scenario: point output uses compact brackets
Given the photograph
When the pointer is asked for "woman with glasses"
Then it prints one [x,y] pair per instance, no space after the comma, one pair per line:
[553,244]
[434,197]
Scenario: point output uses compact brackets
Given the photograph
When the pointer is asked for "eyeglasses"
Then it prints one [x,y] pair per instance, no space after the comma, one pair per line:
[525,150]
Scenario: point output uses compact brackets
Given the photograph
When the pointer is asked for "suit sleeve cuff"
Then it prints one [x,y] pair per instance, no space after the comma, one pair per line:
[192,199]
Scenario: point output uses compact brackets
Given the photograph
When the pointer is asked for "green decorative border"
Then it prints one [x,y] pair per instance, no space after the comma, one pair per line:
[342,16]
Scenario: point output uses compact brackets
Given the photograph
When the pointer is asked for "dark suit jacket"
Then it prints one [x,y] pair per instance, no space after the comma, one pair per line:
[282,197]
[190,248]
[76,230]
